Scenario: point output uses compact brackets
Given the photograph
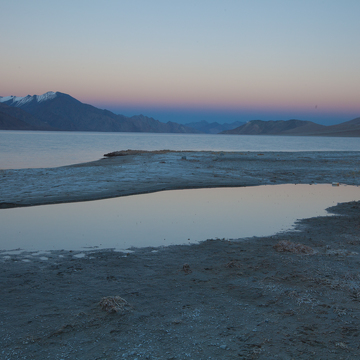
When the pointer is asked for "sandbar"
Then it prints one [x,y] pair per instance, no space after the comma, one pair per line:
[137,172]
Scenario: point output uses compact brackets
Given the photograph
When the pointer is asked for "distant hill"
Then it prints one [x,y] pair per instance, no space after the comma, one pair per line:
[348,128]
[58,111]
[213,128]
[297,128]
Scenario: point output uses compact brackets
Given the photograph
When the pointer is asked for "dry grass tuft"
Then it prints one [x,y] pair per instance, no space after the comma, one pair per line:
[186,269]
[341,252]
[341,345]
[288,246]
[233,264]
[113,304]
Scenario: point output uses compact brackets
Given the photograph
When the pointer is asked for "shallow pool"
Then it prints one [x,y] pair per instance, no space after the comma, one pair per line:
[168,217]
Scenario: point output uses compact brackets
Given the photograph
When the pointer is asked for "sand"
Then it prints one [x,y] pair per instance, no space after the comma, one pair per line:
[240,299]
[144,172]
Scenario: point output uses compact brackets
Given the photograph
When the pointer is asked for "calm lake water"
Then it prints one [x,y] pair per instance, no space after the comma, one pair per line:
[29,149]
[168,217]
[171,217]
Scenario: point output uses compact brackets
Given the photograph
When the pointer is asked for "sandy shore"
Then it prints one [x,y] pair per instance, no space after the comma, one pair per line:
[241,299]
[216,300]
[145,172]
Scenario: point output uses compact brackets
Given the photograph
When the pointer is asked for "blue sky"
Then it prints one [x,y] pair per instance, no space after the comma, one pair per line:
[188,60]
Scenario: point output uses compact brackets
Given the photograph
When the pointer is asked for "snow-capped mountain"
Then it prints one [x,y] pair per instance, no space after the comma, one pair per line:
[19,101]
[59,111]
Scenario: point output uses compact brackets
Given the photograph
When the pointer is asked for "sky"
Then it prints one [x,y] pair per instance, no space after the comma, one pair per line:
[188,60]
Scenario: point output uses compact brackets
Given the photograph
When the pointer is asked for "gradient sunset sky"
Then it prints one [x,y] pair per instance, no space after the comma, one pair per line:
[186,60]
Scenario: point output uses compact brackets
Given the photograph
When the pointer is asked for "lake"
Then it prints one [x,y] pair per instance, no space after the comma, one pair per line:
[165,218]
[30,149]
[168,217]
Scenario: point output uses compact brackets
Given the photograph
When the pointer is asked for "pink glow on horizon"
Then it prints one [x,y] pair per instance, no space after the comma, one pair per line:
[316,106]
[283,57]
[115,97]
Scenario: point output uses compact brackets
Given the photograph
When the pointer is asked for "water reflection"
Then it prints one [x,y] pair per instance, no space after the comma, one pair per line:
[169,217]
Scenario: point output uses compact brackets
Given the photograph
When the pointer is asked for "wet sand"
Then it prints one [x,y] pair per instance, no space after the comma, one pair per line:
[238,299]
[144,172]
[218,299]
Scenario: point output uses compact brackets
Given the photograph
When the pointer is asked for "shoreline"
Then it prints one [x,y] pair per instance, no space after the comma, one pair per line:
[295,294]
[140,172]
[245,298]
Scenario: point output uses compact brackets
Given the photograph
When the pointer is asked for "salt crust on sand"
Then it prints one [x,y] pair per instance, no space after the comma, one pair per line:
[155,171]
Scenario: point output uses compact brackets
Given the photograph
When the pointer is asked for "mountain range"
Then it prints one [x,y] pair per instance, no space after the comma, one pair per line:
[58,111]
[297,128]
[214,127]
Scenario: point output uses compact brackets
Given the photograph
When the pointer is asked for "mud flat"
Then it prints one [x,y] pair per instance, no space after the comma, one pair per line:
[295,295]
[241,299]
[136,172]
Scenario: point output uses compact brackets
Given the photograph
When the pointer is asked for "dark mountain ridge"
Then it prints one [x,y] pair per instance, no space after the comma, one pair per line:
[13,118]
[214,127]
[297,128]
[8,122]
[346,129]
[59,111]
